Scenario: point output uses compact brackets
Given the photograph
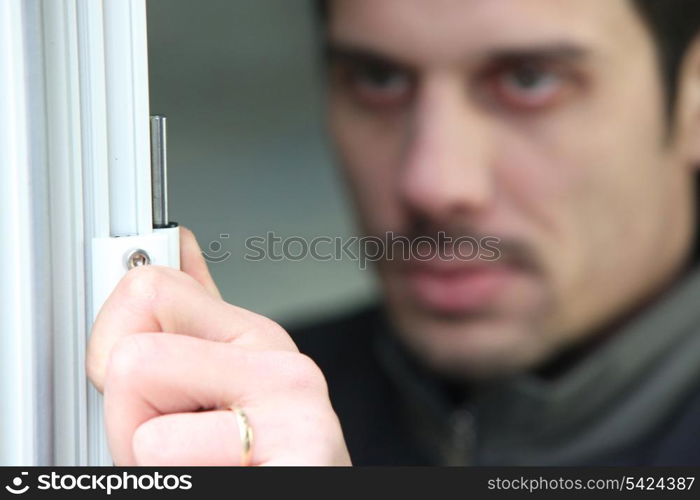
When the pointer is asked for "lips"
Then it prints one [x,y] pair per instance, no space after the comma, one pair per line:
[465,288]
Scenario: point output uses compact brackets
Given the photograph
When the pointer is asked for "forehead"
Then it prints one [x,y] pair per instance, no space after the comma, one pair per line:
[430,31]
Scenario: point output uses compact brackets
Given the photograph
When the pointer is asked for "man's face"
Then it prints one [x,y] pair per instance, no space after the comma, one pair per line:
[538,122]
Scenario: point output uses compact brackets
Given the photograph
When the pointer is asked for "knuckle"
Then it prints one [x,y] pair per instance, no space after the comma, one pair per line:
[144,287]
[315,430]
[267,325]
[148,281]
[274,332]
[302,374]
[272,325]
[144,283]
[147,444]
[130,358]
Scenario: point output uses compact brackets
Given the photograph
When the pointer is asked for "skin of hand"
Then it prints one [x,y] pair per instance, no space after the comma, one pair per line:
[171,358]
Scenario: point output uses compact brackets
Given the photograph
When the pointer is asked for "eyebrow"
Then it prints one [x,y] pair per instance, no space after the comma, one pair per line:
[563,51]
[556,51]
[335,52]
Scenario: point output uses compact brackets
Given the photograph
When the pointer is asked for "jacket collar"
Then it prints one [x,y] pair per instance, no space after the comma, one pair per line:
[595,413]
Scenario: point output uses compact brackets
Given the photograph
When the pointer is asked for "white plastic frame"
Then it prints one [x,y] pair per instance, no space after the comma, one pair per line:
[21,429]
[75,160]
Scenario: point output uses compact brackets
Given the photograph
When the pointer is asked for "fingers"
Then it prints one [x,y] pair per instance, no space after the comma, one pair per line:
[164,392]
[160,299]
[150,375]
[192,262]
[181,439]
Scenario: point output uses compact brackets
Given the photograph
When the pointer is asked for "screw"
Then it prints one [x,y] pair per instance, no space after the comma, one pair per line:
[137,258]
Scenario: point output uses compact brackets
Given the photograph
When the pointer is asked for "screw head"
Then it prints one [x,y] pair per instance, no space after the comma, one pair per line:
[137,258]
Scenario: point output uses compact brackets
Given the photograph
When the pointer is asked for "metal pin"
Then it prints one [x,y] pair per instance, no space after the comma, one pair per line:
[159,171]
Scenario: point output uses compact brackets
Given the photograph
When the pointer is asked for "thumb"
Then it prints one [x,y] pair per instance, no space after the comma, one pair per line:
[192,262]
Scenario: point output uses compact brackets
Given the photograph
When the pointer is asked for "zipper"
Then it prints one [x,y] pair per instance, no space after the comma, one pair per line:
[461,445]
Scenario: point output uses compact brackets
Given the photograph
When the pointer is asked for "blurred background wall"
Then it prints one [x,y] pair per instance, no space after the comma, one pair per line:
[240,84]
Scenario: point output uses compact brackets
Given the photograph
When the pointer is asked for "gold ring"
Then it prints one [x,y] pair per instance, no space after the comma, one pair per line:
[246,433]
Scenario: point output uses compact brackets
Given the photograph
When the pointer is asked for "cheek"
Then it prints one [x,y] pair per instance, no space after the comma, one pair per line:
[562,194]
[370,152]
[589,202]
[542,194]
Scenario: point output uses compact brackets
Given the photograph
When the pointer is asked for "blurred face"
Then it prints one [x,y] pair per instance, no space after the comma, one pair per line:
[537,122]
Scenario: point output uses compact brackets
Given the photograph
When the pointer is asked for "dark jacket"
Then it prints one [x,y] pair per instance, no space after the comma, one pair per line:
[633,401]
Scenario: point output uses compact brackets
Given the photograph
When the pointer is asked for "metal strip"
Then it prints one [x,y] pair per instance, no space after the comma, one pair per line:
[20,399]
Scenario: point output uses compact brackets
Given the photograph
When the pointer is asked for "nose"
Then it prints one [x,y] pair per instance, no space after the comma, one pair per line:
[447,164]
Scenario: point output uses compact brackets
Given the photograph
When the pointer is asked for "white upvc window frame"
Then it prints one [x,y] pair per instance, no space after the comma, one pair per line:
[75,190]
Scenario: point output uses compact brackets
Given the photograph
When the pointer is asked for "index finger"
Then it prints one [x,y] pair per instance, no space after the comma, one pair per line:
[160,299]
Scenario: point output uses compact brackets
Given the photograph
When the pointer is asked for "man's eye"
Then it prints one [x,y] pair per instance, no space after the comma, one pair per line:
[379,86]
[527,87]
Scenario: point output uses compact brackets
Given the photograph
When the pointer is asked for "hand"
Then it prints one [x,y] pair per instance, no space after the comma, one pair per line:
[171,358]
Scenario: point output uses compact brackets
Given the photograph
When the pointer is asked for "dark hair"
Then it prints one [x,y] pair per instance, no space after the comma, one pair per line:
[673,24]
